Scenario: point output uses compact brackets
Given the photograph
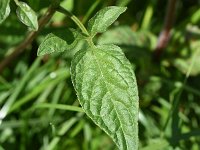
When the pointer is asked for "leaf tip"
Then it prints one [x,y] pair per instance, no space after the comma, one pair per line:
[39,52]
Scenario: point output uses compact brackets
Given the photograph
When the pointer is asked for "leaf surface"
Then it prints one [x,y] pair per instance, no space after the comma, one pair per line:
[58,42]
[106,88]
[27,16]
[103,19]
[4,10]
[191,62]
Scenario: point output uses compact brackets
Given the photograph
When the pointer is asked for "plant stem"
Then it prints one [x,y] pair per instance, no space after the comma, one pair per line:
[78,23]
[75,19]
[165,33]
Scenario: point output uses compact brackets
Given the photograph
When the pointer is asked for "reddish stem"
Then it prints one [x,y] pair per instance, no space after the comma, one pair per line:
[164,36]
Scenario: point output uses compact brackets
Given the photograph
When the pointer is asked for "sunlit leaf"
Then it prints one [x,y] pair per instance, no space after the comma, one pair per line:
[4,10]
[106,87]
[103,19]
[27,16]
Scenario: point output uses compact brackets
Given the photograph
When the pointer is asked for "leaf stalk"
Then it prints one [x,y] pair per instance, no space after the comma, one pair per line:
[74,18]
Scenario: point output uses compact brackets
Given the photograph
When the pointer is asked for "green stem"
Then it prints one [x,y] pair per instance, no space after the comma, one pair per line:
[74,18]
[90,42]
[78,23]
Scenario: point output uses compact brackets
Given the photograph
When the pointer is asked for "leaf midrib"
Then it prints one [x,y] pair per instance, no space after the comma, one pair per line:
[28,17]
[121,124]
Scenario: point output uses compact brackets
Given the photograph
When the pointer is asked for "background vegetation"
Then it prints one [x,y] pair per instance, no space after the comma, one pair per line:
[38,105]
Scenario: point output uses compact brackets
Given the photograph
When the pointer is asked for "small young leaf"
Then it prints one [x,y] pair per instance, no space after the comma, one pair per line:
[58,42]
[4,9]
[27,16]
[103,19]
[106,88]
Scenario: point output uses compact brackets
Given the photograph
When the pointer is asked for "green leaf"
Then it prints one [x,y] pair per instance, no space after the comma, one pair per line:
[157,144]
[125,36]
[103,19]
[190,64]
[27,16]
[59,42]
[4,10]
[106,88]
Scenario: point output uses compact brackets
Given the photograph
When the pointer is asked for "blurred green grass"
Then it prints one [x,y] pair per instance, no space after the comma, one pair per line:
[38,105]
